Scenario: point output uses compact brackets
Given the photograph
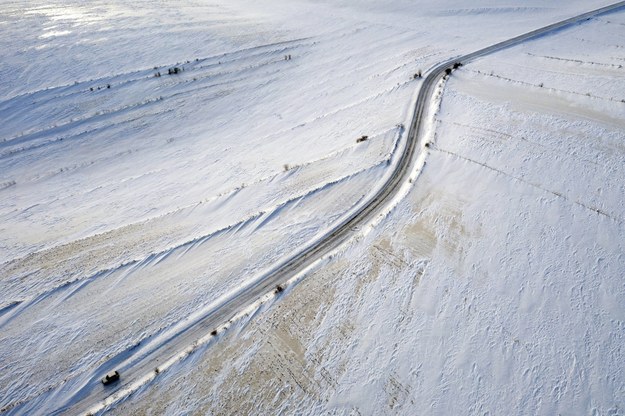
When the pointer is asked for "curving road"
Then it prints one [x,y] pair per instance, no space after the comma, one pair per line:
[137,365]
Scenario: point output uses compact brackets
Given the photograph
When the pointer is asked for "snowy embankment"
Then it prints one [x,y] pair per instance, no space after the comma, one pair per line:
[130,200]
[494,287]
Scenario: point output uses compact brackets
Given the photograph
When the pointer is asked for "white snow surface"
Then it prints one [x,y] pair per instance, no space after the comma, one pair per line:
[129,202]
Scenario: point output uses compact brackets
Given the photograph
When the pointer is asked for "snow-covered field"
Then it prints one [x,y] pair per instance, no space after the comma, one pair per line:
[130,201]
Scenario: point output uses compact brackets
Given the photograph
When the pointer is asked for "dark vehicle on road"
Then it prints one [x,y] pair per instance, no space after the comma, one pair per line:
[110,378]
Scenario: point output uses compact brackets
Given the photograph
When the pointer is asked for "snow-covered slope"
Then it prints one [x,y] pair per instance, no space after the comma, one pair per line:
[494,287]
[130,201]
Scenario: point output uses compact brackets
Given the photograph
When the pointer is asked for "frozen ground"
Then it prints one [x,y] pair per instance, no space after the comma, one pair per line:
[495,287]
[126,209]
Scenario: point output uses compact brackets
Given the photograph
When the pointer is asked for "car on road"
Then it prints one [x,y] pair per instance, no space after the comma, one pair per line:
[110,378]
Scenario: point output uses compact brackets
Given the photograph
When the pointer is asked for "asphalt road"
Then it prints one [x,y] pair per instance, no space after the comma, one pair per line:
[137,366]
